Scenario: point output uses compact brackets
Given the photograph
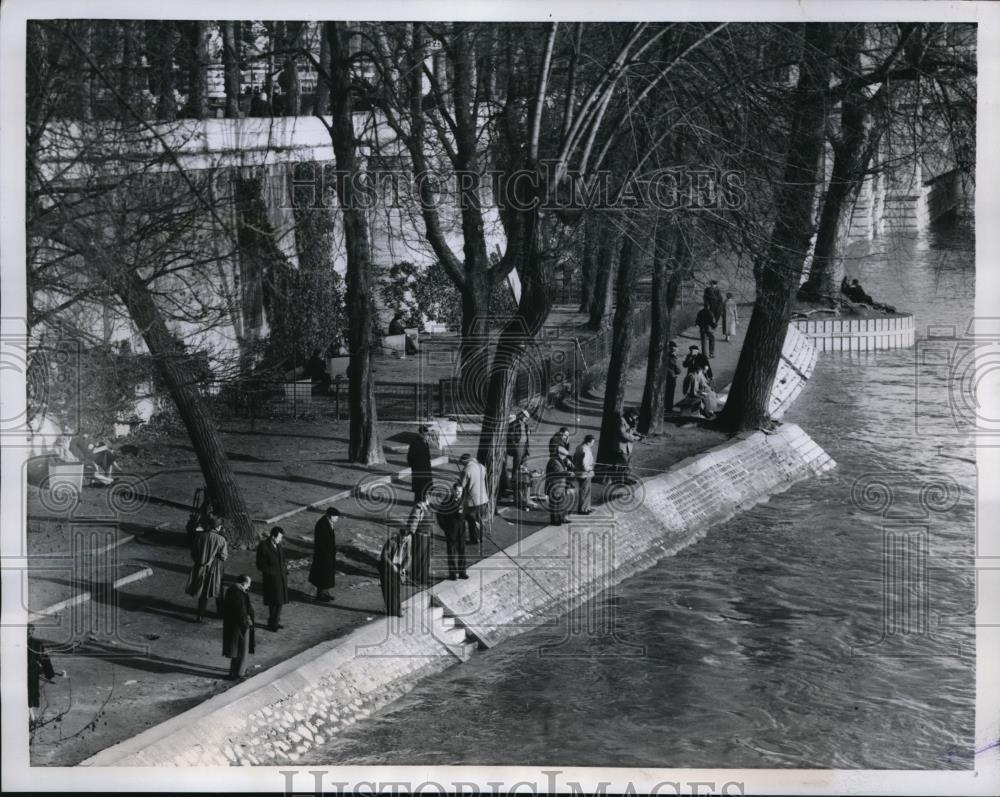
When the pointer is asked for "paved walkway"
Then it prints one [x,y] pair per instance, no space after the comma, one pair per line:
[136,658]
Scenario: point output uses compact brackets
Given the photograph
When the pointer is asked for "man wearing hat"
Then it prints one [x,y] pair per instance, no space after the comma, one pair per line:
[627,435]
[322,574]
[238,627]
[472,481]
[418,457]
[274,575]
[673,370]
[517,448]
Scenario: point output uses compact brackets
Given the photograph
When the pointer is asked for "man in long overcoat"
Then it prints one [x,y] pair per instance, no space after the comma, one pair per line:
[449,518]
[274,575]
[238,626]
[209,552]
[472,481]
[322,574]
[418,457]
[518,440]
[394,565]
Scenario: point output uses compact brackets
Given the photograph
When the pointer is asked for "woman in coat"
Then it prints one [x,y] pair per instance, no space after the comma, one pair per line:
[730,317]
[208,553]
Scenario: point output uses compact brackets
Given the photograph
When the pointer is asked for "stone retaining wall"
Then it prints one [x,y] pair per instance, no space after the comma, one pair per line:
[278,715]
[860,334]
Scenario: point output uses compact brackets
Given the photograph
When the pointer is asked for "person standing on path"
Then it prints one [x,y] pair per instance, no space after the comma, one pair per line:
[559,447]
[418,457]
[730,317]
[557,490]
[627,435]
[209,552]
[713,298]
[517,448]
[673,370]
[475,498]
[583,465]
[39,664]
[238,626]
[449,518]
[419,526]
[323,573]
[706,321]
[274,572]
[394,564]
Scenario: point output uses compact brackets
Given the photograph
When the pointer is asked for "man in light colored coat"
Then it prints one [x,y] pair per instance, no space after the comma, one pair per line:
[475,498]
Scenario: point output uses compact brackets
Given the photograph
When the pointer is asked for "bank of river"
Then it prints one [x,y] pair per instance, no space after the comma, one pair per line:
[759,642]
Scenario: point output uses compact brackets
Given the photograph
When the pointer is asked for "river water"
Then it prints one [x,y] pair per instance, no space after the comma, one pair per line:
[763,643]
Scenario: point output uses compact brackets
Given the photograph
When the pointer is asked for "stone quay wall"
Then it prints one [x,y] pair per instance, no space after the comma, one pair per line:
[895,331]
[279,715]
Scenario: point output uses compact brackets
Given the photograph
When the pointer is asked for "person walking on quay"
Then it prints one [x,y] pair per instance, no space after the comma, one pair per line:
[238,624]
[419,526]
[394,564]
[449,518]
[209,552]
[627,435]
[418,457]
[559,446]
[730,317]
[557,489]
[274,572]
[517,448]
[323,573]
[673,370]
[713,298]
[706,321]
[583,465]
[472,481]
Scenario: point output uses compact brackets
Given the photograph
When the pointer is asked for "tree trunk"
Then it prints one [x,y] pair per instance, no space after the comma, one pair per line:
[588,264]
[851,155]
[607,239]
[171,365]
[197,101]
[778,275]
[364,445]
[231,70]
[621,350]
[322,87]
[669,268]
[474,353]
[289,72]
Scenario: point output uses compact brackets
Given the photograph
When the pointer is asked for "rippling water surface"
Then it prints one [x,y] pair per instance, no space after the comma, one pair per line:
[763,642]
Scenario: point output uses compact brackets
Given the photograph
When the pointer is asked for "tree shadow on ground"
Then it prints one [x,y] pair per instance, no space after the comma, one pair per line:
[150,662]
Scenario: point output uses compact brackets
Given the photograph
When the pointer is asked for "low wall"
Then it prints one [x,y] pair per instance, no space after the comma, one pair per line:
[896,331]
[278,715]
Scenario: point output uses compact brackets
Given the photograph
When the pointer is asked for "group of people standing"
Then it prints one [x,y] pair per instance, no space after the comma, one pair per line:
[209,552]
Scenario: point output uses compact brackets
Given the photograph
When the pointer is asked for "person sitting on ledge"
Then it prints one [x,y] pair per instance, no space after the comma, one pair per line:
[396,325]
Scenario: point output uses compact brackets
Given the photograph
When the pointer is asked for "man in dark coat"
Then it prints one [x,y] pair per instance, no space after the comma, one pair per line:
[39,664]
[559,447]
[420,524]
[449,518]
[517,447]
[706,321]
[673,371]
[238,627]
[209,552]
[418,457]
[274,573]
[557,489]
[394,565]
[713,298]
[322,574]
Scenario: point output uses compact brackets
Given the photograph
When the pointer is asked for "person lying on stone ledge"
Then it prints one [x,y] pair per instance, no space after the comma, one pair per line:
[857,294]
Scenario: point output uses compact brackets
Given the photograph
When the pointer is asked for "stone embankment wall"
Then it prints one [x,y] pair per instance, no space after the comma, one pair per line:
[895,331]
[280,714]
